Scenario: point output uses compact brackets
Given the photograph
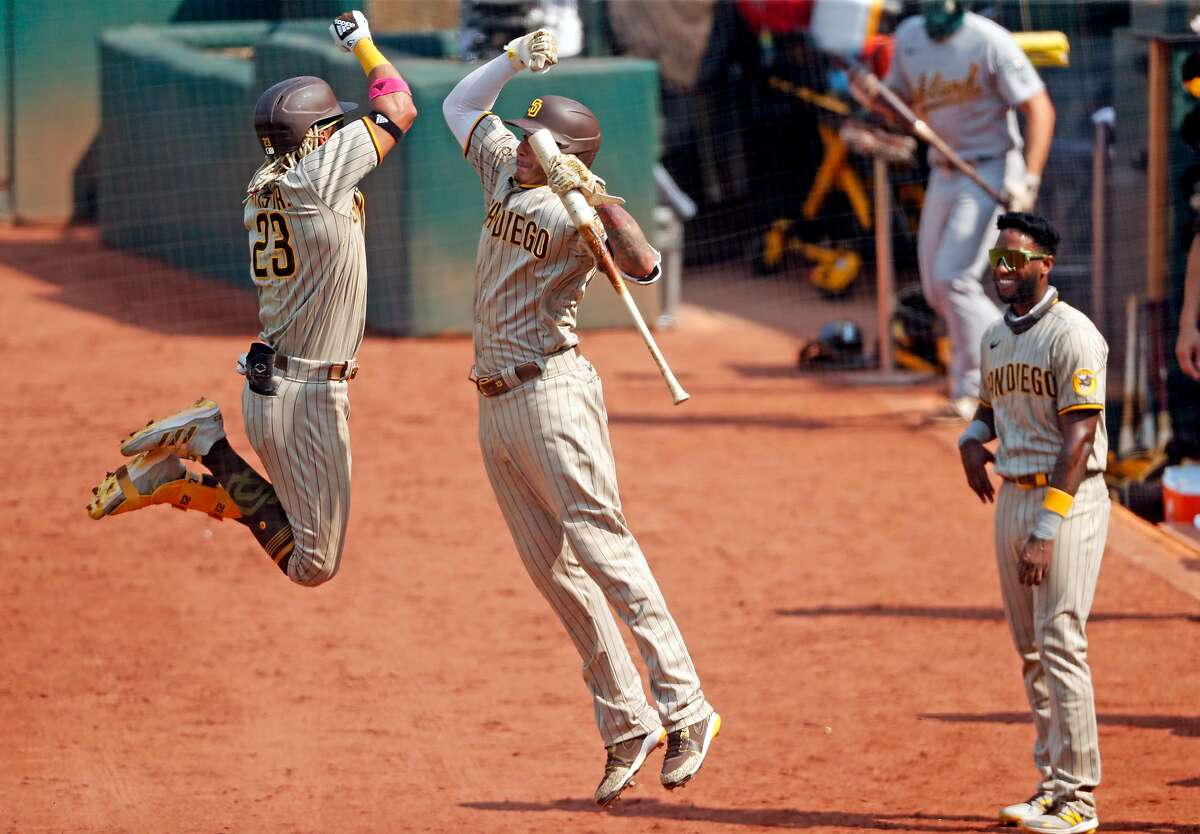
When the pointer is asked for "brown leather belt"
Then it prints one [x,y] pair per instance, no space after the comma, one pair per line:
[337,371]
[494,385]
[1037,479]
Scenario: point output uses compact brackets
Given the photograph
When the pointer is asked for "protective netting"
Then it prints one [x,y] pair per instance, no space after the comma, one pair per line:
[736,134]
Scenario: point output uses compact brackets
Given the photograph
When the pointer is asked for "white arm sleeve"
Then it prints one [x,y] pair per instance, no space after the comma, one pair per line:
[474,96]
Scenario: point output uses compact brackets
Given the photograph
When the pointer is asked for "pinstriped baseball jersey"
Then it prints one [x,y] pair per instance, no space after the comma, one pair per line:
[307,255]
[308,261]
[547,453]
[1052,367]
[531,264]
[1056,366]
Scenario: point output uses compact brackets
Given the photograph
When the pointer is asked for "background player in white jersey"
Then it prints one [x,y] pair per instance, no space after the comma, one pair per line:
[1043,398]
[543,429]
[304,216]
[963,75]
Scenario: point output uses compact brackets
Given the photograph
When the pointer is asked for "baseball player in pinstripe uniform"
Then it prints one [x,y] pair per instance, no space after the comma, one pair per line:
[1043,398]
[964,75]
[543,429]
[304,216]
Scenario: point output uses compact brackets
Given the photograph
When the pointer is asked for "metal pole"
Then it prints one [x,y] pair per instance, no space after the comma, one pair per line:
[884,289]
[1099,221]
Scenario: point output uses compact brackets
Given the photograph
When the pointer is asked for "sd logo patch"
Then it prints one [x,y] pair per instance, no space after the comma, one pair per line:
[535,107]
[1084,382]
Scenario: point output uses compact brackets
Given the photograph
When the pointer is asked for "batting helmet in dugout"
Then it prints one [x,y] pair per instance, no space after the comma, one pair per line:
[285,112]
[839,344]
[575,128]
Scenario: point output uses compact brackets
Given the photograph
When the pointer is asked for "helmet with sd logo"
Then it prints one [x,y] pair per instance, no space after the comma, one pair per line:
[575,128]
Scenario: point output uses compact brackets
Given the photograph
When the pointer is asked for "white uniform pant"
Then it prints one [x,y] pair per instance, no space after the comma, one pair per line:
[302,437]
[545,447]
[1048,624]
[958,226]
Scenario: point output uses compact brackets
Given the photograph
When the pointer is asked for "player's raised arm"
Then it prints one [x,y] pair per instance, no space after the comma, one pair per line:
[392,108]
[473,97]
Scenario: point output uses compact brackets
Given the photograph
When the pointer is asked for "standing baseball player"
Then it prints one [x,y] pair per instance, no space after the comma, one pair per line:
[1043,398]
[543,429]
[304,215]
[963,75]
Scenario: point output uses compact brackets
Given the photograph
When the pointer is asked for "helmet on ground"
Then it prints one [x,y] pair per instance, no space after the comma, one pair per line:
[839,344]
[286,111]
[575,128]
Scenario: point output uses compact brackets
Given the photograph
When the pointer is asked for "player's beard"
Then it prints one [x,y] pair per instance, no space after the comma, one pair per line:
[1024,292]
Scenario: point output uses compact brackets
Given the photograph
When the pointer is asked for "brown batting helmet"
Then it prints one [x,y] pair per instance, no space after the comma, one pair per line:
[286,111]
[575,129]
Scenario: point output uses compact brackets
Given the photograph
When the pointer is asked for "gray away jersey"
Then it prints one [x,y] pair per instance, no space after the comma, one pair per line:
[531,265]
[965,86]
[307,255]
[1056,366]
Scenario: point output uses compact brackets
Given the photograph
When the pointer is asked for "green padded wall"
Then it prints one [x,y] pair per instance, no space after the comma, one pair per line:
[174,152]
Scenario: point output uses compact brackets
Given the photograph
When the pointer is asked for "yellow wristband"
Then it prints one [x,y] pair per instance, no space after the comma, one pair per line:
[368,55]
[1058,502]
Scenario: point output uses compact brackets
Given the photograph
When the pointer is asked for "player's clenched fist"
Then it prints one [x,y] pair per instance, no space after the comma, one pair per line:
[537,50]
[349,28]
[568,173]
[1021,195]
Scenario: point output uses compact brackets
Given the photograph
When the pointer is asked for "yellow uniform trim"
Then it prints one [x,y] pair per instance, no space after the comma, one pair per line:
[471,132]
[1058,502]
[374,139]
[1082,407]
[369,55]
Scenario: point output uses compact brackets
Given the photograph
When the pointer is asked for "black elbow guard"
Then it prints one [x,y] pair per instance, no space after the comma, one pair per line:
[382,121]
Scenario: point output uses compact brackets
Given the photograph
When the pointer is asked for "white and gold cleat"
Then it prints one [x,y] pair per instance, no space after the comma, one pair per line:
[159,477]
[189,433]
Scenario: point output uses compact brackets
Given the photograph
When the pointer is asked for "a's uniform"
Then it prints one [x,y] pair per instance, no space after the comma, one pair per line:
[965,88]
[1058,364]
[546,449]
[308,262]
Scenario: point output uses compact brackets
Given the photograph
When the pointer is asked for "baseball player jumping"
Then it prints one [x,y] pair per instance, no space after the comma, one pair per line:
[1043,398]
[543,428]
[304,216]
[963,75]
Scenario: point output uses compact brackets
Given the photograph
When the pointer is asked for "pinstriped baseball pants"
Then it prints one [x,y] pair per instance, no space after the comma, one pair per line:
[547,453]
[1048,625]
[302,437]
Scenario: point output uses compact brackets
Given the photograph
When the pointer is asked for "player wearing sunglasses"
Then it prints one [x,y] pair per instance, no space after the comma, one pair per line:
[1042,398]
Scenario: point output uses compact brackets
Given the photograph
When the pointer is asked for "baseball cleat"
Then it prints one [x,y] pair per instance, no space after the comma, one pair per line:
[687,748]
[189,433]
[1061,820]
[1035,806]
[625,759]
[159,477]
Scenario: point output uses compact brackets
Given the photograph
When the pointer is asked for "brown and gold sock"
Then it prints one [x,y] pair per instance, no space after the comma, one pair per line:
[256,498]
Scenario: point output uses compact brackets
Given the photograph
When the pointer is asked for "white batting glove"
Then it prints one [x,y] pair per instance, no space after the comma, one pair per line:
[348,29]
[568,173]
[537,50]
[1022,194]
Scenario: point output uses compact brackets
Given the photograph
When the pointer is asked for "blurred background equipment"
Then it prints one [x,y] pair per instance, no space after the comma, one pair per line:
[839,345]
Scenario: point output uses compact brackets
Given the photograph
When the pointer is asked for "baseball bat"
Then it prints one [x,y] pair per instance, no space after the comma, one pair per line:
[583,216]
[918,128]
[1125,441]
[1145,369]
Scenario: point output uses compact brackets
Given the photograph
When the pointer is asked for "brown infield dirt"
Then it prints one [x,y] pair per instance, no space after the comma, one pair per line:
[816,541]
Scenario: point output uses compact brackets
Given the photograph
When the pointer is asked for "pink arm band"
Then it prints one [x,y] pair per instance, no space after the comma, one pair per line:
[385,86]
